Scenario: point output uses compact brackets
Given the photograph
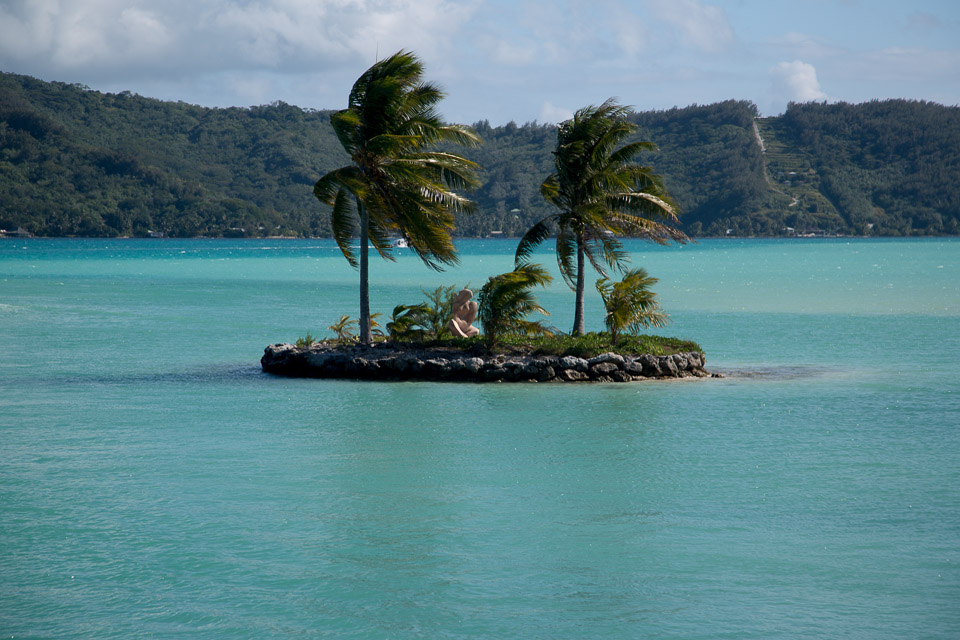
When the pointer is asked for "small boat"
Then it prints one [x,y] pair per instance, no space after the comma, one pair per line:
[399,243]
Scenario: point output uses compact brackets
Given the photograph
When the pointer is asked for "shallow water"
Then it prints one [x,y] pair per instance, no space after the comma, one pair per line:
[154,482]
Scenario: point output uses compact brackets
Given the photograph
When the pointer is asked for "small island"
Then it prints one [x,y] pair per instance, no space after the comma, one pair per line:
[400,183]
[471,360]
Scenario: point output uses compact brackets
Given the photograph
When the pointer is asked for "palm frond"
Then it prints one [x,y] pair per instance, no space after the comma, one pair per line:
[629,151]
[344,328]
[532,239]
[550,188]
[630,304]
[453,170]
[346,125]
[567,248]
[652,230]
[408,321]
[603,249]
[343,221]
[506,300]
[349,178]
[640,203]
[461,135]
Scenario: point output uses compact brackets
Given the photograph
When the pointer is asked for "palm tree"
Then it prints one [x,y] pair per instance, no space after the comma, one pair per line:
[630,304]
[506,300]
[343,328]
[398,183]
[601,194]
[408,321]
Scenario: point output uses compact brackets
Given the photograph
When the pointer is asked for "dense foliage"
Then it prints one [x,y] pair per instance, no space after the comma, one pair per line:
[506,301]
[600,194]
[80,162]
[887,168]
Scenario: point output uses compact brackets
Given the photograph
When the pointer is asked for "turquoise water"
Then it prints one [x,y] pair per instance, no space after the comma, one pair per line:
[154,483]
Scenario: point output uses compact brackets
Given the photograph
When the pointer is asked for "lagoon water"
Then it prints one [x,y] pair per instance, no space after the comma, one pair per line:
[154,483]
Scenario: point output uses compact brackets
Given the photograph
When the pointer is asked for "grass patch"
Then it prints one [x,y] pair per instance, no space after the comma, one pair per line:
[306,341]
[593,344]
[587,346]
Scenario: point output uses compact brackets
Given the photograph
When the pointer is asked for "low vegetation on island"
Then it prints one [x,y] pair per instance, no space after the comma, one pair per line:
[506,303]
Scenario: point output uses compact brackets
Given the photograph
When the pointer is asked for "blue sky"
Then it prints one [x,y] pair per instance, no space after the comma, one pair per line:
[501,60]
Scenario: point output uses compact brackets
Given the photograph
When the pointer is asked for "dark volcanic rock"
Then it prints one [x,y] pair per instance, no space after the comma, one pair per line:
[603,369]
[668,367]
[572,362]
[634,367]
[546,374]
[608,357]
[494,373]
[572,375]
[389,361]
[650,365]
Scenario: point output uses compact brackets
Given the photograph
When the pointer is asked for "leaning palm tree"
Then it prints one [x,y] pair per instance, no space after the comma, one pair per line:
[630,304]
[506,300]
[398,184]
[600,194]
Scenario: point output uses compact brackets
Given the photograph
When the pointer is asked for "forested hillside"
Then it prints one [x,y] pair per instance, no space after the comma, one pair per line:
[886,168]
[76,162]
[79,162]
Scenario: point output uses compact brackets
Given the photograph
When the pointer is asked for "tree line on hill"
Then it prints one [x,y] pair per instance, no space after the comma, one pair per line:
[77,162]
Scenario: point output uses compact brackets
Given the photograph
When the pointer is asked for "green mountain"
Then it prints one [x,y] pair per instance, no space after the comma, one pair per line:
[77,162]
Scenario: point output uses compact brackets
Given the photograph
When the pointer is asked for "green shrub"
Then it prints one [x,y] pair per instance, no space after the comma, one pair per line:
[345,328]
[630,304]
[438,309]
[306,341]
[507,299]
[408,322]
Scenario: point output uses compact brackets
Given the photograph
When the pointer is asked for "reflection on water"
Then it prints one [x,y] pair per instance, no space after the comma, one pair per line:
[783,372]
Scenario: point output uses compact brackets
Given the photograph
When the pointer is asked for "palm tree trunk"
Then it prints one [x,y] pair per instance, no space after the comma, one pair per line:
[578,323]
[366,336]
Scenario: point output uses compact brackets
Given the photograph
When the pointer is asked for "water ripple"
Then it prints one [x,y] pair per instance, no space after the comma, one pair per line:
[217,374]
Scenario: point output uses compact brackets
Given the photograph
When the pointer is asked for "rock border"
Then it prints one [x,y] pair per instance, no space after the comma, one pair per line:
[387,361]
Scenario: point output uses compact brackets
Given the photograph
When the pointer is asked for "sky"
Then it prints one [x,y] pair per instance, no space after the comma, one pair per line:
[498,60]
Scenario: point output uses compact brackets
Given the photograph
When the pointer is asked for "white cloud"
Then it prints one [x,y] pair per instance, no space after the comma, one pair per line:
[630,33]
[704,26]
[551,113]
[144,31]
[64,35]
[113,37]
[497,59]
[562,32]
[796,81]
[26,29]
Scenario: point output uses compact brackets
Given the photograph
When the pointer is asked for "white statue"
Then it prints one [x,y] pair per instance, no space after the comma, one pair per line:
[464,313]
